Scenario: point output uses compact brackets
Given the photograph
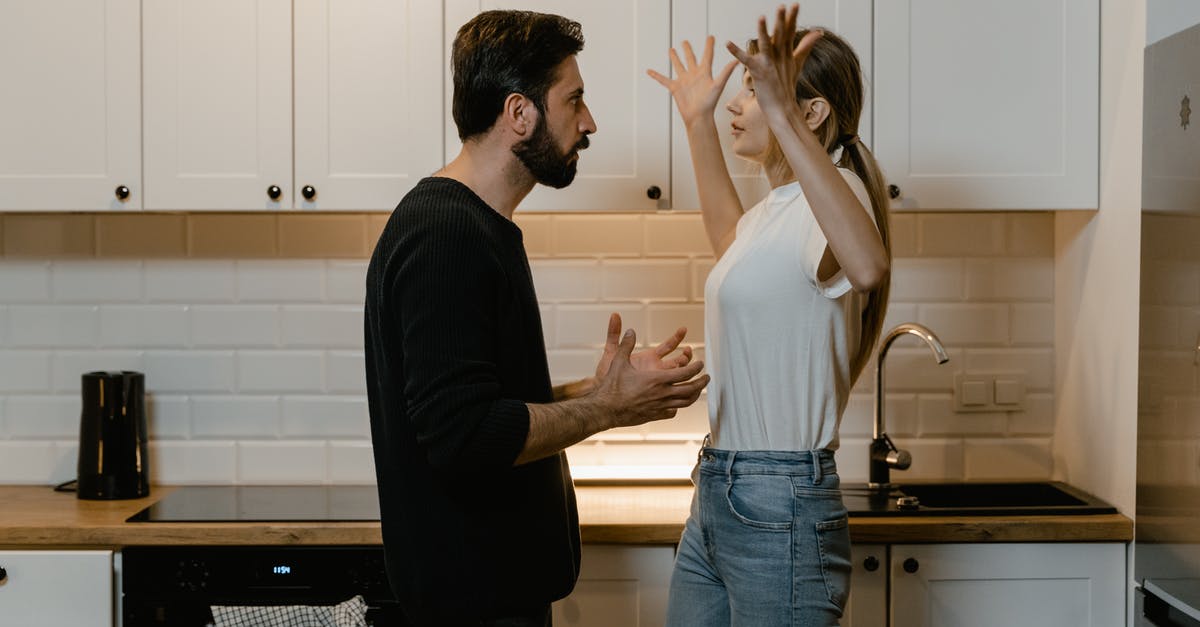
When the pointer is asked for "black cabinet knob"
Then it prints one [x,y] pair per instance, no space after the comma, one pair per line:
[309,192]
[274,192]
[911,565]
[871,563]
[3,575]
[122,192]
[893,192]
[653,192]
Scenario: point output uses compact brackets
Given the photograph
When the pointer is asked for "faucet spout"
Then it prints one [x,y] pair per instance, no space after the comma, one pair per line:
[884,454]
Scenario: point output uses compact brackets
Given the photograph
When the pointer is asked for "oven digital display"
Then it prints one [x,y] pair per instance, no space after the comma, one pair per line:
[281,569]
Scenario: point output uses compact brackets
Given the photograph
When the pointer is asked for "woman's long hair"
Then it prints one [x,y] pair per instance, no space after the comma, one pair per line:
[832,72]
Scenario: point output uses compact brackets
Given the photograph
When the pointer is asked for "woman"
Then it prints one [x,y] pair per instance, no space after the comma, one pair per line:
[793,308]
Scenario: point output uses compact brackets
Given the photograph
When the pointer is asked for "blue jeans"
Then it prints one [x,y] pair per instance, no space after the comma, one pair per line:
[767,543]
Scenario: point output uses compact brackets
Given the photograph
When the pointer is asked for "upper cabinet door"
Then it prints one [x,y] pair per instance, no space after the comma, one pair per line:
[627,165]
[70,116]
[218,99]
[737,22]
[989,104]
[369,105]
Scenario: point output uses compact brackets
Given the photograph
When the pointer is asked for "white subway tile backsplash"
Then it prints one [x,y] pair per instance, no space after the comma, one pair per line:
[274,281]
[647,280]
[190,371]
[571,365]
[566,280]
[967,324]
[1036,419]
[924,280]
[160,326]
[28,462]
[234,417]
[1036,363]
[1010,280]
[1032,325]
[663,320]
[328,326]
[235,326]
[351,463]
[54,326]
[24,371]
[939,419]
[310,417]
[168,417]
[916,370]
[43,417]
[196,463]
[346,282]
[1008,458]
[192,281]
[97,281]
[266,355]
[346,372]
[68,367]
[25,282]
[282,462]
[586,326]
[281,371]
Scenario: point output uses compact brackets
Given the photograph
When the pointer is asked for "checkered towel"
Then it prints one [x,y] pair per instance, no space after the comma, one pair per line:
[352,613]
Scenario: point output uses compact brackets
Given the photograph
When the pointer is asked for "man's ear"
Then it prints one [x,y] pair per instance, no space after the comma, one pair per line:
[519,114]
[816,111]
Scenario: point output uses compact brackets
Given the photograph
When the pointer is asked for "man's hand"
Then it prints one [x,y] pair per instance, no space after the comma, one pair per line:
[628,396]
[658,358]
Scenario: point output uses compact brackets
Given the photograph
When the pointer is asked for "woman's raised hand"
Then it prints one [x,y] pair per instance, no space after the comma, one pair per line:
[694,88]
[776,66]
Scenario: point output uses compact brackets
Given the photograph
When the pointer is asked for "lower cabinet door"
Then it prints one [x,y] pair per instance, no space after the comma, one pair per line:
[1001,585]
[867,605]
[56,588]
[619,586]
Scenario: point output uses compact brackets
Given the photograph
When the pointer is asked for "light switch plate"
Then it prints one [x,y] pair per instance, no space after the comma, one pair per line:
[982,392]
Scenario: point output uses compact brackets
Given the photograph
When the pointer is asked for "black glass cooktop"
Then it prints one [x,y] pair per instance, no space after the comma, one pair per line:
[264,503]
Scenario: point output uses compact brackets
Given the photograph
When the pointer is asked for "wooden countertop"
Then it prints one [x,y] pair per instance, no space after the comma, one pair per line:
[36,516]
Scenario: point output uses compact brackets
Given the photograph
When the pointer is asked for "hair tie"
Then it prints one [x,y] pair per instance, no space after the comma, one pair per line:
[848,139]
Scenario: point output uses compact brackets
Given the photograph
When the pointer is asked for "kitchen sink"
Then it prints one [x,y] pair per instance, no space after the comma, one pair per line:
[972,499]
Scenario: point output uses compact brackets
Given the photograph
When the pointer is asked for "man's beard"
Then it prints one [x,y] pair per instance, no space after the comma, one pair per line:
[540,155]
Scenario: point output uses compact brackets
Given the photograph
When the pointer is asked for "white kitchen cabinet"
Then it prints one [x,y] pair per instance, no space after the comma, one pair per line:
[57,588]
[989,104]
[867,605]
[619,585]
[217,91]
[368,101]
[692,20]
[995,585]
[70,116]
[628,163]
[220,97]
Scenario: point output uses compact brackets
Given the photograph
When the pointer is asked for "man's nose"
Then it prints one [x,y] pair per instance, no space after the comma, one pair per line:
[587,125]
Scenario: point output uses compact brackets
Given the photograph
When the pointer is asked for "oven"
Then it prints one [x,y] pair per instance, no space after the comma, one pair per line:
[176,585]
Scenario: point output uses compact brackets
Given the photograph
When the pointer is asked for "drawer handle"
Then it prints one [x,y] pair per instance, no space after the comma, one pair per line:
[3,575]
[911,565]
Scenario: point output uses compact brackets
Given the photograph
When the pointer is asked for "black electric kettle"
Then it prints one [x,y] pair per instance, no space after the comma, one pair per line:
[112,437]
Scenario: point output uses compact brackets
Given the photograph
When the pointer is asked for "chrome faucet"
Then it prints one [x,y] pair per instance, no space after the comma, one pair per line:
[884,454]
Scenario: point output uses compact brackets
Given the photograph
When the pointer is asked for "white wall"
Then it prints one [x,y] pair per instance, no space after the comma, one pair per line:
[1096,283]
[1167,17]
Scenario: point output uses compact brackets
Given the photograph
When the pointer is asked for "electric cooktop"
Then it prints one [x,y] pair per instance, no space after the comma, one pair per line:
[264,503]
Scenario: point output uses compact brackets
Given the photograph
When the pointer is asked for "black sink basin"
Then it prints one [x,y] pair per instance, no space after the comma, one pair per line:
[973,499]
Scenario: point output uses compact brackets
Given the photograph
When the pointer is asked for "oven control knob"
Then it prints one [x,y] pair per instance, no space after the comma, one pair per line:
[192,576]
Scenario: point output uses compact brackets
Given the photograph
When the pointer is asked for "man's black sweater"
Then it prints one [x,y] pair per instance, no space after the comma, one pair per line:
[454,351]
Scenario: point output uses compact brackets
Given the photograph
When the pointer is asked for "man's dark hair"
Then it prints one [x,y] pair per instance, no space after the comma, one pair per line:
[499,53]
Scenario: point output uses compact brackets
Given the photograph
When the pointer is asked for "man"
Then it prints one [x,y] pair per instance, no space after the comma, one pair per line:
[478,512]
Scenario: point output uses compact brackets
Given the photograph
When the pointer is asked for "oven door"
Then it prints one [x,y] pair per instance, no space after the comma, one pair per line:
[177,585]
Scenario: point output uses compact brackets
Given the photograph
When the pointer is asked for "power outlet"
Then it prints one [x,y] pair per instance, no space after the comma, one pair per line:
[989,392]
